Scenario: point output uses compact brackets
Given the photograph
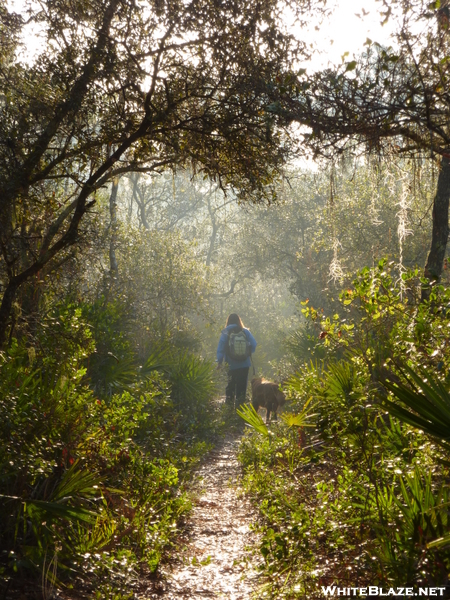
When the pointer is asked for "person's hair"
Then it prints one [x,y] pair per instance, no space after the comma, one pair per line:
[235,319]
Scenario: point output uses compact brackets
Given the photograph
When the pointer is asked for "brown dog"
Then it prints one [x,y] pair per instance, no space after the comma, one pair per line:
[266,394]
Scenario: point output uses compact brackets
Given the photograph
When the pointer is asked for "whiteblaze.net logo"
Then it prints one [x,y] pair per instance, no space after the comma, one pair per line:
[373,590]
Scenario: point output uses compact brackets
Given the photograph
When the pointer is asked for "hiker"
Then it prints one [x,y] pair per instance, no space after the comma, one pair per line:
[236,346]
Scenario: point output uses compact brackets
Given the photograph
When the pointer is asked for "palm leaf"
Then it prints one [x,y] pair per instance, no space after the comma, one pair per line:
[77,482]
[58,510]
[190,377]
[299,420]
[440,542]
[250,416]
[426,404]
[341,380]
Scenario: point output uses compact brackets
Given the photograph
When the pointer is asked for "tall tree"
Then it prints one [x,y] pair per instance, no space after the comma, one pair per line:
[392,100]
[122,86]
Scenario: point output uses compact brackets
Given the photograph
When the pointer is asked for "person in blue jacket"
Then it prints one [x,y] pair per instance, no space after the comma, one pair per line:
[237,369]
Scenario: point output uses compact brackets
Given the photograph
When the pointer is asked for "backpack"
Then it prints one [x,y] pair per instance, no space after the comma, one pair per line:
[238,347]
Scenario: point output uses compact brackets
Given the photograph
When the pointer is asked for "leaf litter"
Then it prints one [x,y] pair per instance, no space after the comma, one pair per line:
[215,558]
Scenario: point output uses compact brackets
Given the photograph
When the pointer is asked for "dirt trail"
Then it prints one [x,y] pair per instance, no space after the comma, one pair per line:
[217,535]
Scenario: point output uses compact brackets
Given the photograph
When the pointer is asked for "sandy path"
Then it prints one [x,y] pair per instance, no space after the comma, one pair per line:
[217,535]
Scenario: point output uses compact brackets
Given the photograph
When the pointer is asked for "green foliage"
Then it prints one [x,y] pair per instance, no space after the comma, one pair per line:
[43,484]
[191,380]
[250,416]
[427,401]
[422,517]
[63,340]
[363,497]
[88,482]
[300,419]
[162,285]
[113,366]
[304,345]
[59,98]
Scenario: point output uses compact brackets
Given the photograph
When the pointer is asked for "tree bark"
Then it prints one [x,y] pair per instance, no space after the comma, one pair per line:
[212,240]
[79,207]
[140,201]
[6,311]
[135,180]
[113,266]
[215,229]
[435,259]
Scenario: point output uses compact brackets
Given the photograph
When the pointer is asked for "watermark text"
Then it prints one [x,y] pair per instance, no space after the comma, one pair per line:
[373,590]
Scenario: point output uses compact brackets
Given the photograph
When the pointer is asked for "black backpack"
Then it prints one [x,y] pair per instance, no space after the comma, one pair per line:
[238,346]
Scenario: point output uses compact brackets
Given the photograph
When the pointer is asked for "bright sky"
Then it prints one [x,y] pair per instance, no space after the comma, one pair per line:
[343,32]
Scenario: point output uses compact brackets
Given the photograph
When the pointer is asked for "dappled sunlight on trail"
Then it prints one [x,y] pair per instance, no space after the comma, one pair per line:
[214,561]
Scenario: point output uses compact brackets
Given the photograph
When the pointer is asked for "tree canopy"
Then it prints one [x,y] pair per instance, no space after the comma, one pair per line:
[391,100]
[121,86]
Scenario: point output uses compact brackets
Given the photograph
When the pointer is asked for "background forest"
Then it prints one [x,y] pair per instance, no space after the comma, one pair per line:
[117,348]
[151,185]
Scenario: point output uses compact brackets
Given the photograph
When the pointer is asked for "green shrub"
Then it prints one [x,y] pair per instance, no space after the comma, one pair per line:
[192,384]
[88,484]
[364,497]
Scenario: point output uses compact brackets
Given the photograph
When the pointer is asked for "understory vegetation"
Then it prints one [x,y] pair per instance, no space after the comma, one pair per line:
[349,494]
[150,186]
[92,476]
[108,384]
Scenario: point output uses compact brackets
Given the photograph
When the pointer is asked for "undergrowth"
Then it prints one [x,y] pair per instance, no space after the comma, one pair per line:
[93,472]
[362,498]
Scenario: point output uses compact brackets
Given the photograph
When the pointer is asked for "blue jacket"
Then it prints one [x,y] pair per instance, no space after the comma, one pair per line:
[222,347]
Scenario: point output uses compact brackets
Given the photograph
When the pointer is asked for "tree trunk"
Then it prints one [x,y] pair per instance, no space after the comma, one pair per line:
[135,180]
[435,259]
[215,229]
[212,241]
[6,310]
[113,266]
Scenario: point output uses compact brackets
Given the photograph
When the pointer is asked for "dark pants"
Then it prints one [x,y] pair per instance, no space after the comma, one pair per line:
[237,385]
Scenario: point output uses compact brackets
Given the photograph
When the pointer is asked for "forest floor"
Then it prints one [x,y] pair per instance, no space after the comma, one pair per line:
[215,558]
